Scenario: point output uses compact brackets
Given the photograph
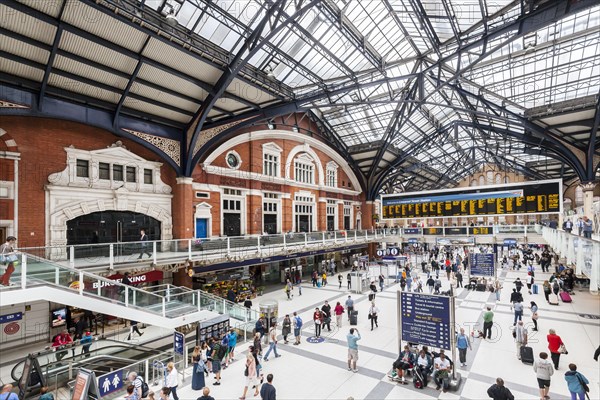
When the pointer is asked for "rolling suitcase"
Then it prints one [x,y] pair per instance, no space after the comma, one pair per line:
[353,317]
[526,355]
[565,297]
[371,296]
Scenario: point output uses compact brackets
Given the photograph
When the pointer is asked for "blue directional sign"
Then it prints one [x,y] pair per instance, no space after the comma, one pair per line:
[426,319]
[482,264]
[178,343]
[10,317]
[413,241]
[411,231]
[110,382]
[510,242]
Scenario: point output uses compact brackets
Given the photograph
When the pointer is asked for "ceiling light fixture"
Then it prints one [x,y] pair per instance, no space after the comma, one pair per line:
[295,128]
[271,125]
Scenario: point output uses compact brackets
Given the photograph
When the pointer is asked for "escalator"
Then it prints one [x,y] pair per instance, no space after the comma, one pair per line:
[111,356]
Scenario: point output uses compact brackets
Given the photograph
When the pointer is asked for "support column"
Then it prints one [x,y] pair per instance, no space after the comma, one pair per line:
[367,215]
[183,209]
[588,198]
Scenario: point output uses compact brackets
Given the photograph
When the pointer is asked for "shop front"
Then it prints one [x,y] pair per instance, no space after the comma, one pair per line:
[235,285]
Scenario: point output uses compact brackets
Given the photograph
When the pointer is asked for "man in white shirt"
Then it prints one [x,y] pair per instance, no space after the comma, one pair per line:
[520,337]
[442,369]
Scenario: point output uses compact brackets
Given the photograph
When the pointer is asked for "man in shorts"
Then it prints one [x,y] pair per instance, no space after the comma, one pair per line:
[352,340]
[217,356]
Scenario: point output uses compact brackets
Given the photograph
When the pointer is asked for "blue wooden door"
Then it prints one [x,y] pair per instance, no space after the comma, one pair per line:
[201,226]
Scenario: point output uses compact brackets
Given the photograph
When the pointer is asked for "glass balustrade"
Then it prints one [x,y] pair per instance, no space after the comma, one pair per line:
[583,253]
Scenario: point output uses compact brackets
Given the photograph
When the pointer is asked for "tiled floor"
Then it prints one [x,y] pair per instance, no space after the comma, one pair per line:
[318,371]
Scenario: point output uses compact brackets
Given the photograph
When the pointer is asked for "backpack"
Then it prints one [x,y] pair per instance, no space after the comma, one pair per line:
[222,351]
[298,322]
[144,387]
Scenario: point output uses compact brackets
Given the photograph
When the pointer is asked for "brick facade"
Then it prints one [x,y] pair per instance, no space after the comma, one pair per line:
[41,143]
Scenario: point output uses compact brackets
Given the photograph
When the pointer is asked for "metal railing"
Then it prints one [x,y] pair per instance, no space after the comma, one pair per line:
[168,302]
[243,247]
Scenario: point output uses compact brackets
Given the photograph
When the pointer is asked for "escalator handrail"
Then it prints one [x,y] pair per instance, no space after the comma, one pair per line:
[51,351]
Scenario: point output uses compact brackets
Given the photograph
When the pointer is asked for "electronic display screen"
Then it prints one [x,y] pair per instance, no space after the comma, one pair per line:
[59,317]
[540,197]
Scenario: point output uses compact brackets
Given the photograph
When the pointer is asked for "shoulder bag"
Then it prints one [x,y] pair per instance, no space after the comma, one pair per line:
[585,387]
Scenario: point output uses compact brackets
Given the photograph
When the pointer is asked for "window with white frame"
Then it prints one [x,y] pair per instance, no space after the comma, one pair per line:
[271,159]
[331,211]
[304,169]
[233,209]
[331,175]
[304,216]
[271,210]
[347,215]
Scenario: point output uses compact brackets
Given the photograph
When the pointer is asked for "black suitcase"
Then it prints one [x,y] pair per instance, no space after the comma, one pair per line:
[526,355]
[354,317]
[371,296]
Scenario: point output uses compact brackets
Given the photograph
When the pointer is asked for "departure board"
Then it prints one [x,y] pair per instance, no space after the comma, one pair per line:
[540,197]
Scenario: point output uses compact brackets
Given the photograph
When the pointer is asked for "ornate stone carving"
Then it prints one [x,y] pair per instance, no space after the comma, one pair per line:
[169,146]
[589,186]
[8,104]
[208,134]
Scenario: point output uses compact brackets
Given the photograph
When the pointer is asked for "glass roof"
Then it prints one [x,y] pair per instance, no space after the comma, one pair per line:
[438,77]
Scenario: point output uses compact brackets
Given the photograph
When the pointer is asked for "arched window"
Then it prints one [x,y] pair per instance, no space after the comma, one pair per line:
[473,182]
[304,169]
[506,179]
[498,179]
[481,180]
[490,177]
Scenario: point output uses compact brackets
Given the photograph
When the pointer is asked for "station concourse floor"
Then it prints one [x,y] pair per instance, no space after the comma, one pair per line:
[319,371]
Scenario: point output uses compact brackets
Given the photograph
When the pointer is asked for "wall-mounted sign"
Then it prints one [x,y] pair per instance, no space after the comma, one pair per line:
[178,343]
[510,242]
[411,231]
[481,230]
[455,241]
[390,251]
[10,317]
[149,276]
[110,382]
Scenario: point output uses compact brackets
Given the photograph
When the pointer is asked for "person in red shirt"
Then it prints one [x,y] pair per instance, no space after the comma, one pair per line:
[318,318]
[554,343]
[60,341]
[338,311]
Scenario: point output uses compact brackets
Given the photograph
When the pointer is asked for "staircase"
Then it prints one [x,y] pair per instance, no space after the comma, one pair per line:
[40,279]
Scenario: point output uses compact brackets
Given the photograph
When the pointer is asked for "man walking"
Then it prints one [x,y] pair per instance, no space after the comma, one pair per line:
[499,392]
[352,340]
[518,307]
[587,227]
[520,337]
[326,315]
[488,321]
[272,342]
[349,306]
[267,391]
[144,244]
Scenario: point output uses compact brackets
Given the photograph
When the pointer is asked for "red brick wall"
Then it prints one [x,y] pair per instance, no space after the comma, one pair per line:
[41,143]
[7,169]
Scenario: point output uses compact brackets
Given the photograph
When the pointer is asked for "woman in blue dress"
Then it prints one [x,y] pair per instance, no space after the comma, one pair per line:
[198,371]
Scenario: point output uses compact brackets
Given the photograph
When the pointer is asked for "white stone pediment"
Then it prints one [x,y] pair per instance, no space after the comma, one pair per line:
[117,153]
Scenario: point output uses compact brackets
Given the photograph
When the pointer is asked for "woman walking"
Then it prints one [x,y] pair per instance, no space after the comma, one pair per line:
[257,345]
[318,319]
[286,328]
[547,290]
[198,370]
[554,345]
[251,377]
[172,380]
[577,383]
[534,315]
[497,289]
[339,312]
[543,370]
